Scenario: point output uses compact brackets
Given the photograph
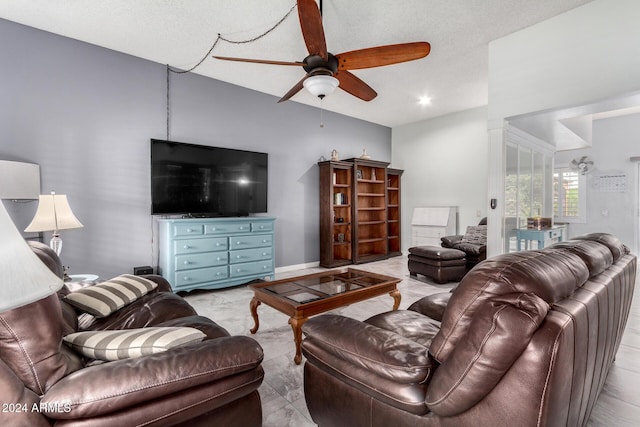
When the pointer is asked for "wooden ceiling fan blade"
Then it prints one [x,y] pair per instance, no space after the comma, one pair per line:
[260,61]
[297,88]
[382,55]
[353,85]
[312,30]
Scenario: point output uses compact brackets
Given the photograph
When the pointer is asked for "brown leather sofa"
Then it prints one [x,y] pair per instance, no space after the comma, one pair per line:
[43,382]
[527,339]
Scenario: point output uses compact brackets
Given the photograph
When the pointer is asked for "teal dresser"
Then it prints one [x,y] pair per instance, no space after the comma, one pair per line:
[212,253]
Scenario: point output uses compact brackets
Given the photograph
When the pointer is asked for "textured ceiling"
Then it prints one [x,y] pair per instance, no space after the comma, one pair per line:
[180,32]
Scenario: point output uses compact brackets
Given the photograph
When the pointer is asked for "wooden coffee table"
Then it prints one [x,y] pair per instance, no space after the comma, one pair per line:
[304,296]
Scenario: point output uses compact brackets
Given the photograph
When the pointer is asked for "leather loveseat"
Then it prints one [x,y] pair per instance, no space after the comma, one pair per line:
[527,339]
[43,382]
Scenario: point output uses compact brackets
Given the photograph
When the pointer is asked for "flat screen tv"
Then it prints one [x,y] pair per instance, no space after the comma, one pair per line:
[202,181]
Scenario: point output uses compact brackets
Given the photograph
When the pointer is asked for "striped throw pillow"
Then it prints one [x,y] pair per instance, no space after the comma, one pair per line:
[104,298]
[129,343]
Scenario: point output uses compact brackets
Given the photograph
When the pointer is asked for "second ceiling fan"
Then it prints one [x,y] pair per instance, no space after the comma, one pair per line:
[322,63]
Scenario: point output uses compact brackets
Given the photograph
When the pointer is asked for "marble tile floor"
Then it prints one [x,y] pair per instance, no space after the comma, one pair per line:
[282,391]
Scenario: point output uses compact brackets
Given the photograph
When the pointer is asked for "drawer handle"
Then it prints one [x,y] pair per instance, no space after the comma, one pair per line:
[238,256]
[186,278]
[186,247]
[238,270]
[189,230]
[264,254]
[265,241]
[218,259]
[218,273]
[241,228]
[187,262]
[218,244]
[238,243]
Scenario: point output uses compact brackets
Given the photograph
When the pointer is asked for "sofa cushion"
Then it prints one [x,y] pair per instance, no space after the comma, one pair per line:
[107,297]
[125,344]
[471,249]
[406,323]
[497,336]
[475,234]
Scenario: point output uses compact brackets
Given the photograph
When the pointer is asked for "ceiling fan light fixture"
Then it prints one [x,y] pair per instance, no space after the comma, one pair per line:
[321,85]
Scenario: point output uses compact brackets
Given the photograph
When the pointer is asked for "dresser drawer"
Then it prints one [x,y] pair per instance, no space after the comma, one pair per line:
[261,226]
[263,268]
[193,277]
[246,242]
[190,261]
[189,246]
[248,255]
[180,230]
[228,227]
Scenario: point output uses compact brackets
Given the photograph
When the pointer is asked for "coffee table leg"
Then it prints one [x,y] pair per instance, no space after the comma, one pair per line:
[296,325]
[395,294]
[253,306]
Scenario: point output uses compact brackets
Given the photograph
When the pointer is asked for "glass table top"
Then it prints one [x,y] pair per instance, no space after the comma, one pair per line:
[307,289]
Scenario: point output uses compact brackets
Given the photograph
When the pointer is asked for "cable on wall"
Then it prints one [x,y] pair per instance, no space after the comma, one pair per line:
[215,43]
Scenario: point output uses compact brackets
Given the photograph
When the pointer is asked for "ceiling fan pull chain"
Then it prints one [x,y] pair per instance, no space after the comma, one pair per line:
[321,110]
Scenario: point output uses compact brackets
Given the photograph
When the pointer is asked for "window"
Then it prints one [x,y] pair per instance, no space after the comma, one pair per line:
[569,195]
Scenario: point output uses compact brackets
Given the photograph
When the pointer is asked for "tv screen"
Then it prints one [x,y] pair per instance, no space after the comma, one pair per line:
[206,181]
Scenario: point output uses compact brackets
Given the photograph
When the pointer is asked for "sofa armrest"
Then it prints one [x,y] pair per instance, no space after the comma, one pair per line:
[150,310]
[163,284]
[449,241]
[113,386]
[377,351]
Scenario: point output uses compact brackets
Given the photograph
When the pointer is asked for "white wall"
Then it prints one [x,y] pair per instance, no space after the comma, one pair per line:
[446,162]
[615,140]
[584,56]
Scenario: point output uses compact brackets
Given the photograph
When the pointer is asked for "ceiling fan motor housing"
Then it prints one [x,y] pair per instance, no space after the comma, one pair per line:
[315,65]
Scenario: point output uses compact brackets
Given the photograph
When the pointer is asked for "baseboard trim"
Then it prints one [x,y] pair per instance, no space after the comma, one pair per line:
[288,268]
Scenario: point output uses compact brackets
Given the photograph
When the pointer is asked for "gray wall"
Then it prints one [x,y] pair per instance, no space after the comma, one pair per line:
[85,114]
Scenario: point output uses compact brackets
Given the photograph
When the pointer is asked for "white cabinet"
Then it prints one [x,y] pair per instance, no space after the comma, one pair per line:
[429,224]
[215,252]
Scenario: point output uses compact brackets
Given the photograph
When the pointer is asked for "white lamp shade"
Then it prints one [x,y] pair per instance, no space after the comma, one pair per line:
[23,277]
[321,85]
[19,180]
[54,213]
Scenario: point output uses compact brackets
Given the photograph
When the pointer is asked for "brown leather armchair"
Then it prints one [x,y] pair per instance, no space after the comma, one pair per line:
[475,251]
[44,382]
[527,339]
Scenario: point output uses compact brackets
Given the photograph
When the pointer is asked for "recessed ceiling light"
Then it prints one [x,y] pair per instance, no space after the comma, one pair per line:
[424,100]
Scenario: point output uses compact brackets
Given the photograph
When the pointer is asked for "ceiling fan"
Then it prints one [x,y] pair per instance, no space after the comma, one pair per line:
[584,165]
[326,71]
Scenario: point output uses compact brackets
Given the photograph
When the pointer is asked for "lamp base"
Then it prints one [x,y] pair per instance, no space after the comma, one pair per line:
[56,243]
